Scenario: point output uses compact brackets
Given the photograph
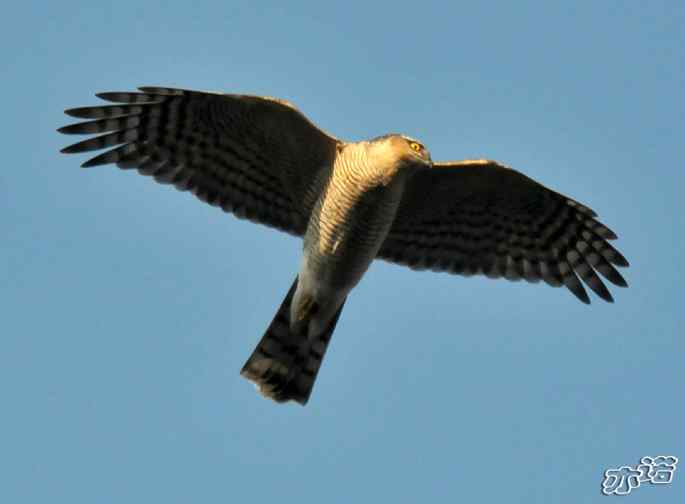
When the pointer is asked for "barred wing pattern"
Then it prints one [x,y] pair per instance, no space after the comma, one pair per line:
[480,217]
[253,156]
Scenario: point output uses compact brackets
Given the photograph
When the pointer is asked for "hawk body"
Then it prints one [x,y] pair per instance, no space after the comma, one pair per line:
[353,214]
[352,202]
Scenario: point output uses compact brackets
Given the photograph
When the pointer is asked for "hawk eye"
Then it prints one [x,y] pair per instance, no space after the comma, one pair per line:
[415,146]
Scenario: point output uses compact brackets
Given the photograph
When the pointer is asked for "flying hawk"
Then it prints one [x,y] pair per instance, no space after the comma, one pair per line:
[262,159]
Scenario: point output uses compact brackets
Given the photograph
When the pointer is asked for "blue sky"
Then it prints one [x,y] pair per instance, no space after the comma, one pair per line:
[128,308]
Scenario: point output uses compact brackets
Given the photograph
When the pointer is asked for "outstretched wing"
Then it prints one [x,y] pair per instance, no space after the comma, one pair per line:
[480,217]
[253,156]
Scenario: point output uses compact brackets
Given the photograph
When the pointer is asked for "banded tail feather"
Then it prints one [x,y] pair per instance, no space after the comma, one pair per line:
[284,365]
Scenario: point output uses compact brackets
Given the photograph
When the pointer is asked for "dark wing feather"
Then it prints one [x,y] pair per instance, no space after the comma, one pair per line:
[253,156]
[480,217]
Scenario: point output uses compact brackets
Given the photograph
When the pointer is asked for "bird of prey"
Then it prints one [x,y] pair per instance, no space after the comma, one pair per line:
[260,158]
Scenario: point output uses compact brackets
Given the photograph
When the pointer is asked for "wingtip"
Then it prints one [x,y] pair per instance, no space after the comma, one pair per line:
[621,282]
[609,298]
[72,111]
[90,163]
[619,260]
[582,296]
[68,149]
[66,130]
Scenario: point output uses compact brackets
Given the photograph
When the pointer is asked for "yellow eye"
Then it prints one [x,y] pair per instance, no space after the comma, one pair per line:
[416,146]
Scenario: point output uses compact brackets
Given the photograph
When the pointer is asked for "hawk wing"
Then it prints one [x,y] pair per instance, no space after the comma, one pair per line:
[480,217]
[256,157]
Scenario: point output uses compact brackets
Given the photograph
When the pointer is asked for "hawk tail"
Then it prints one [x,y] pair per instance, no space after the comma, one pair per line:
[284,364]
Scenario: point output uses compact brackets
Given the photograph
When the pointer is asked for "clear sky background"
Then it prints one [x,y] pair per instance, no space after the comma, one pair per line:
[128,308]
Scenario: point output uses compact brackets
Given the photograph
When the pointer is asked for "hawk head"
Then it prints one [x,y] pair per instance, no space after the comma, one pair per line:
[404,150]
